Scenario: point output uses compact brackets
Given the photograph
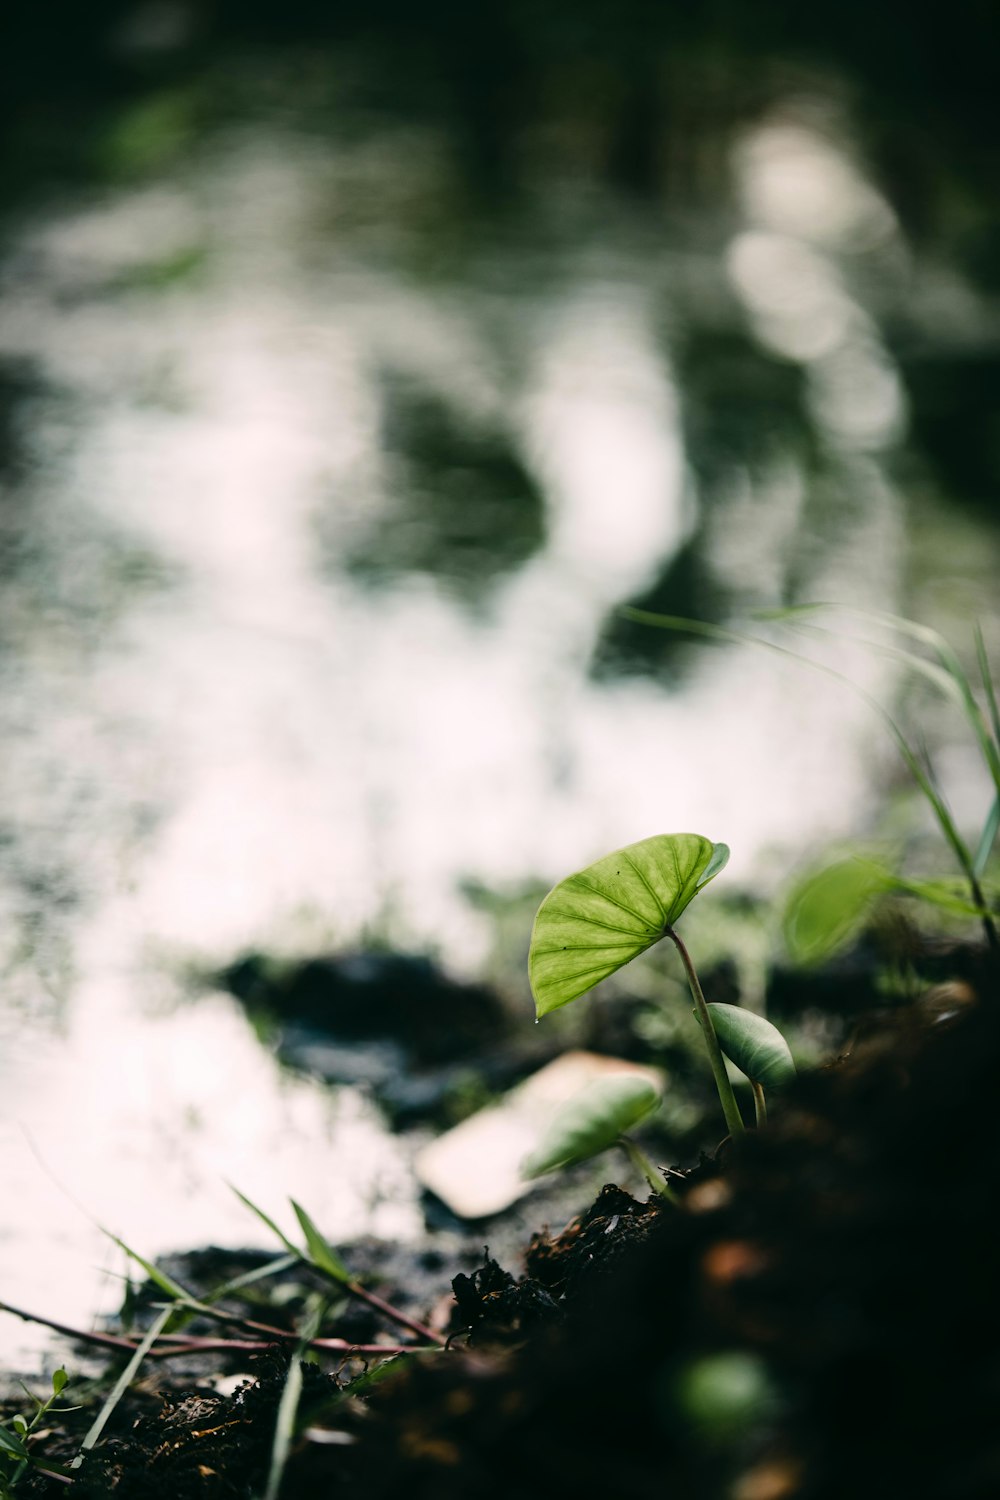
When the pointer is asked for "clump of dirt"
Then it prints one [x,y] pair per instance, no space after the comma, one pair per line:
[180,1442]
[200,1443]
[590,1249]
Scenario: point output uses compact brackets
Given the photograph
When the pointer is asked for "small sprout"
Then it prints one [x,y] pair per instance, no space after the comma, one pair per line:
[591,1122]
[15,1455]
[599,919]
[756,1047]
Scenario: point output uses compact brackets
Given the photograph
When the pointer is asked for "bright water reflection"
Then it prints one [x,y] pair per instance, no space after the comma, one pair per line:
[271,659]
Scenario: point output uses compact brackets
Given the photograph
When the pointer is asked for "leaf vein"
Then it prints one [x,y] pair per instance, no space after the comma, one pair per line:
[595,890]
[629,932]
[603,969]
[635,868]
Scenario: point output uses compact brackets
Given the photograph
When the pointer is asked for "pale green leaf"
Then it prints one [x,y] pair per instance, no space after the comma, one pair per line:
[756,1046]
[987,838]
[595,921]
[718,862]
[592,1121]
[320,1252]
[830,907]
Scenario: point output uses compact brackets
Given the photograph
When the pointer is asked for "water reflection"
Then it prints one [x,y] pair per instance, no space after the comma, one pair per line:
[311,614]
[797,181]
[460,504]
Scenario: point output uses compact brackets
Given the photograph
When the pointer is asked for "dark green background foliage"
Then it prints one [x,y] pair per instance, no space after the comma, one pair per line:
[922,81]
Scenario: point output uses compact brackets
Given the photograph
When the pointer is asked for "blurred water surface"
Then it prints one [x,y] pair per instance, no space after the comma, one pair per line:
[323,487]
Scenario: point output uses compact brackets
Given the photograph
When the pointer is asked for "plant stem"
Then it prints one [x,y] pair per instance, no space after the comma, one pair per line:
[323,1346]
[105,1340]
[170,1344]
[403,1320]
[760,1108]
[731,1110]
[642,1164]
[353,1287]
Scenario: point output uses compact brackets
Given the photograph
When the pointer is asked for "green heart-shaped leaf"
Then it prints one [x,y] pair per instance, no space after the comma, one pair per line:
[592,923]
[756,1047]
[591,1121]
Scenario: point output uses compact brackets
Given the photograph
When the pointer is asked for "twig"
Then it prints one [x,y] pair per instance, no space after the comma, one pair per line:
[169,1344]
[420,1329]
[106,1340]
[356,1290]
[252,1346]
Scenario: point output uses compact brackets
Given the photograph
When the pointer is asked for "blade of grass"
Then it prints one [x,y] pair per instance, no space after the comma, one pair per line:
[992,823]
[266,1220]
[320,1252]
[933,797]
[249,1278]
[947,673]
[183,1302]
[322,1258]
[231,1320]
[284,1427]
[159,1278]
[988,686]
[121,1385]
[940,894]
[987,838]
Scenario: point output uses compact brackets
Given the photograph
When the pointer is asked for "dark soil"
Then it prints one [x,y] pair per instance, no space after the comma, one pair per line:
[848,1254]
[820,1321]
[367,996]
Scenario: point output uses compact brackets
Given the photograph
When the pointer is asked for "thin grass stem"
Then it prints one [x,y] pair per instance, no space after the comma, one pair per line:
[121,1385]
[288,1405]
[938,806]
